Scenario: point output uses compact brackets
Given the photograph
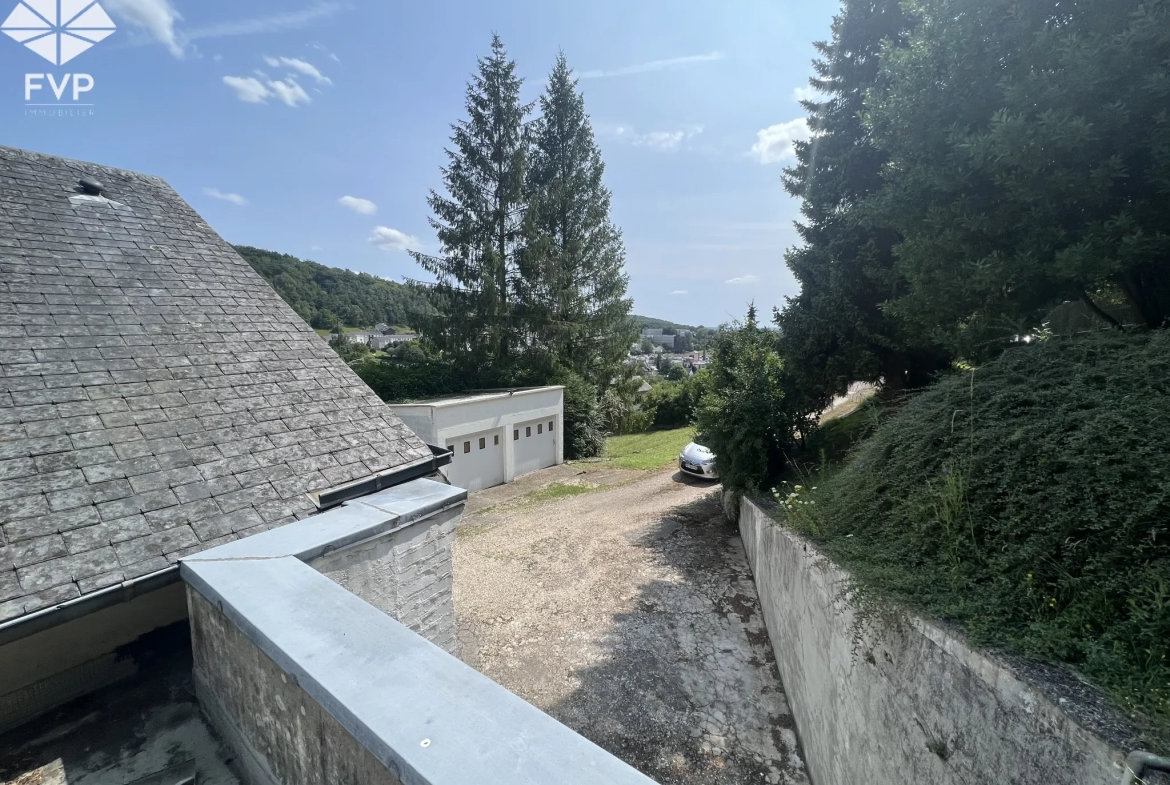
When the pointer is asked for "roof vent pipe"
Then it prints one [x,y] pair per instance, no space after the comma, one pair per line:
[91,186]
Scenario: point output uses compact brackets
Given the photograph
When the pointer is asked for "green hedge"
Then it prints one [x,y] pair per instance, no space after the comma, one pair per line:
[1029,502]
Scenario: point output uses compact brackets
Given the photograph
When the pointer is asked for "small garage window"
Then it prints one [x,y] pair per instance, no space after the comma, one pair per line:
[527,431]
[497,438]
[540,428]
[515,434]
[467,447]
[482,442]
[550,422]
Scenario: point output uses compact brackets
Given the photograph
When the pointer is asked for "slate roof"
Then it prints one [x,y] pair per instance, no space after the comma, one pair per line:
[157,397]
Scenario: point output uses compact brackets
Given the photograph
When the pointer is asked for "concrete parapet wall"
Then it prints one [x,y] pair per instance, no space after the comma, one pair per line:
[911,704]
[406,574]
[281,734]
[307,658]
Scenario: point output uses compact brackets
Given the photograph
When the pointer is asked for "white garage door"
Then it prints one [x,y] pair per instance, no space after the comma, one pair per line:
[478,461]
[534,444]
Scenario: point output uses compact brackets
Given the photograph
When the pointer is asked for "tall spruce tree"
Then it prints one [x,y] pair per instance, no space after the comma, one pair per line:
[574,282]
[836,330]
[476,297]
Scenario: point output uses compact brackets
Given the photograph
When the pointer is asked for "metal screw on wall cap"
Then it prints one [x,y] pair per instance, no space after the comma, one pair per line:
[91,186]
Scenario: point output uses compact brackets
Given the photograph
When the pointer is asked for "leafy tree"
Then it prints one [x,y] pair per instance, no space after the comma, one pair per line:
[676,373]
[324,320]
[1028,162]
[836,331]
[349,350]
[647,346]
[746,416]
[674,403]
[574,283]
[476,296]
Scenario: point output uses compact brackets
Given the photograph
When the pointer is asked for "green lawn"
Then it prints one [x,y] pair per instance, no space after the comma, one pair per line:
[647,450]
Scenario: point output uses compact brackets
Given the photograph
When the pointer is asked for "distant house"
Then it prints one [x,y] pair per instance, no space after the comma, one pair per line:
[382,328]
[397,338]
[650,332]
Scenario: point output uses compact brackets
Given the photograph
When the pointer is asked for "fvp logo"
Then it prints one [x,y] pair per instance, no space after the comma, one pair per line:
[58,30]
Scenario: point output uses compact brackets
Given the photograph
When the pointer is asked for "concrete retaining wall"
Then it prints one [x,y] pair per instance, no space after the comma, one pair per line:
[912,705]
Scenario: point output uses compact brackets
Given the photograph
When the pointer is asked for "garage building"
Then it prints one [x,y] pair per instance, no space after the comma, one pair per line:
[495,436]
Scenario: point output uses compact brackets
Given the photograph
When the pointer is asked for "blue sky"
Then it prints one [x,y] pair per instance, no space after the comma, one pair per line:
[266,115]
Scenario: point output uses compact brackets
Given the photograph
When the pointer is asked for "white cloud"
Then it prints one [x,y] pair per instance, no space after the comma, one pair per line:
[778,142]
[359,206]
[300,66]
[248,89]
[659,140]
[157,17]
[393,240]
[289,91]
[808,93]
[235,199]
[251,90]
[680,291]
[316,248]
[654,65]
[264,24]
[742,280]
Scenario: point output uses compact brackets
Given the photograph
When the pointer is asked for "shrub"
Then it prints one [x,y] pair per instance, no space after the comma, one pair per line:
[1029,502]
[583,434]
[744,416]
[674,403]
[395,382]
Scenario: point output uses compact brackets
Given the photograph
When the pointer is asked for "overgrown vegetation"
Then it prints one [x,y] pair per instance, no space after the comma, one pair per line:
[1029,502]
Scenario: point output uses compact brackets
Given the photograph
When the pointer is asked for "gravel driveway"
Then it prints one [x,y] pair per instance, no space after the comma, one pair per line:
[629,614]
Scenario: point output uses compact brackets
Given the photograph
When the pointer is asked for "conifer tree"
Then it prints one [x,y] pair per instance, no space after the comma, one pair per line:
[836,330]
[479,221]
[1028,163]
[574,281]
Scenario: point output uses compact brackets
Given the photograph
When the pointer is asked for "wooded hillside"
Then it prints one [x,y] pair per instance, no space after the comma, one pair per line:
[325,295]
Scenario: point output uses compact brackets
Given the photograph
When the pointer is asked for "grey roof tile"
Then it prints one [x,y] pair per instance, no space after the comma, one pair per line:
[156,396]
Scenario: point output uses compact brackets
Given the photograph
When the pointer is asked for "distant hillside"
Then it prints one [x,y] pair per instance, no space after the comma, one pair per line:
[649,322]
[322,295]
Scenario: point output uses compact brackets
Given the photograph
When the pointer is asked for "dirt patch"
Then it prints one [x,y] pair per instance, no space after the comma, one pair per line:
[629,614]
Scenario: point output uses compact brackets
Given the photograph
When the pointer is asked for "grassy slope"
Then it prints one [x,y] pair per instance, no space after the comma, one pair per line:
[647,450]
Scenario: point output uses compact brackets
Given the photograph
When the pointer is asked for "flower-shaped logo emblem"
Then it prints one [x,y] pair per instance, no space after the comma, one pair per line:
[58,30]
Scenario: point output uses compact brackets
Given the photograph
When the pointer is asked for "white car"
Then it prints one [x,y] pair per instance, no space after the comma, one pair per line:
[697,461]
